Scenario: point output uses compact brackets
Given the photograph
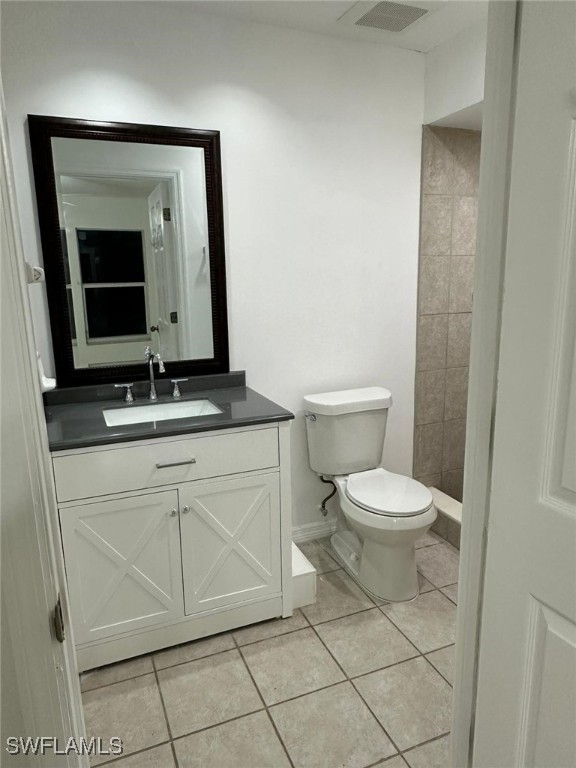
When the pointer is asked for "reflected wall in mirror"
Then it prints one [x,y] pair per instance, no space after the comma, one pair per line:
[132,235]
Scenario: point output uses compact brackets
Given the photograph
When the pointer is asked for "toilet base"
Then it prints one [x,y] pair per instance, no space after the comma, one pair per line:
[394,579]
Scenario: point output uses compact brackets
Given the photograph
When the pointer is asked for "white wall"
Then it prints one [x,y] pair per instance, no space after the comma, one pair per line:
[455,75]
[321,146]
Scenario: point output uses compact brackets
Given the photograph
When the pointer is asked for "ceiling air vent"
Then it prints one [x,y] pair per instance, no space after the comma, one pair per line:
[391,17]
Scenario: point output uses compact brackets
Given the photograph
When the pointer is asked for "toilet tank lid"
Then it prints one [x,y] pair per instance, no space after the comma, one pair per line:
[348,401]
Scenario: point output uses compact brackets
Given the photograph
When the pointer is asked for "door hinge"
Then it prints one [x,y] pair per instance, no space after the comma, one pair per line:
[58,621]
[167,214]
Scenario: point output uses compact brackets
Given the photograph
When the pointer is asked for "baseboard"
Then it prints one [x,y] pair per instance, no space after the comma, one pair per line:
[316,530]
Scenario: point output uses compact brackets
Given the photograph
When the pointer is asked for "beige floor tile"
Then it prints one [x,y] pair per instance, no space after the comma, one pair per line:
[428,539]
[451,592]
[393,762]
[411,700]
[443,660]
[131,710]
[439,564]
[365,641]
[331,728]
[319,556]
[158,757]
[424,585]
[197,649]
[436,754]
[249,742]
[337,595]
[428,622]
[266,629]
[290,665]
[207,691]
[115,673]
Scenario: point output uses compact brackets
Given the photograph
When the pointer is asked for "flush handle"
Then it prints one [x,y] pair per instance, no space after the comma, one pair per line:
[166,464]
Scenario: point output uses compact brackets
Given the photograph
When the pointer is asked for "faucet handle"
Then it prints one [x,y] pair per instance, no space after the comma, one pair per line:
[129,396]
[161,368]
[176,392]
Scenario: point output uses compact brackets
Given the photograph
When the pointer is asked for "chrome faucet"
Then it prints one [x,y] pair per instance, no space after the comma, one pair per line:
[150,357]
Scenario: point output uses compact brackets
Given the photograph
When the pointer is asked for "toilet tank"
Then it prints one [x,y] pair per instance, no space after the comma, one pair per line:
[346,429]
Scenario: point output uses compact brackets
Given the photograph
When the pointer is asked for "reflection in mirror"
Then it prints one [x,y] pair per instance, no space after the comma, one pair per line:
[134,236]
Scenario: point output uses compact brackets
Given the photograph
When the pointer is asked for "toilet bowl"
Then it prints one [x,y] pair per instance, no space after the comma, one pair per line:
[384,513]
[387,513]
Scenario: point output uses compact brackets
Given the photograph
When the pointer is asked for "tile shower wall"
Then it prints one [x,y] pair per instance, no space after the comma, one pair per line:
[450,171]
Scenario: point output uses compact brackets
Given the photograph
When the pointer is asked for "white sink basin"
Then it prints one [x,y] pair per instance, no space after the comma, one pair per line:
[138,414]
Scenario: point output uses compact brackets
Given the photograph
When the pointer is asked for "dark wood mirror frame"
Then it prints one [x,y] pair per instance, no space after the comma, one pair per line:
[42,129]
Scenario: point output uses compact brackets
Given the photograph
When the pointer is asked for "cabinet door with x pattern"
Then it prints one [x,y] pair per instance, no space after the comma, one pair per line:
[123,564]
[230,536]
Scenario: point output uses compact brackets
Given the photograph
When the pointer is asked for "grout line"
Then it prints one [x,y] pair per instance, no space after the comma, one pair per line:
[386,760]
[163,705]
[344,616]
[270,718]
[387,666]
[174,755]
[424,743]
[216,725]
[313,627]
[133,754]
[437,670]
[272,637]
[390,739]
[115,682]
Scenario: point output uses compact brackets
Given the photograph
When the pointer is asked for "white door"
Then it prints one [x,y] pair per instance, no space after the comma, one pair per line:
[230,534]
[526,699]
[39,683]
[165,325]
[123,564]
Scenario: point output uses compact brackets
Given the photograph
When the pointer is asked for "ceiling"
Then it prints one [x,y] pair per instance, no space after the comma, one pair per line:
[336,18]
[114,187]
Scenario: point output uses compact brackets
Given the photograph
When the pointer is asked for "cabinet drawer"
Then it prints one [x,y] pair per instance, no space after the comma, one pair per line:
[80,476]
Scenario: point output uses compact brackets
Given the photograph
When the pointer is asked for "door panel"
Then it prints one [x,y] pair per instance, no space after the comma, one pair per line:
[123,564]
[163,283]
[230,533]
[526,703]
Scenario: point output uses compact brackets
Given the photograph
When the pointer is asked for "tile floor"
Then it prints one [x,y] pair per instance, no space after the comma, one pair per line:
[344,683]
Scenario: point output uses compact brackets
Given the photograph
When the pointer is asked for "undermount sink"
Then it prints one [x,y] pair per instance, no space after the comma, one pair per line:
[139,414]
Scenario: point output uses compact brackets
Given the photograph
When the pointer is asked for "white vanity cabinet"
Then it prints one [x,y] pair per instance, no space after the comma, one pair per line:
[122,564]
[230,534]
[169,540]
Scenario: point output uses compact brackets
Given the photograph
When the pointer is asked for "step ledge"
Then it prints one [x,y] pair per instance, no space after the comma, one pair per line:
[446,505]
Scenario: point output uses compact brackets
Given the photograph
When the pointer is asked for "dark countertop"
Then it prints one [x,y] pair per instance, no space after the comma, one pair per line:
[81,424]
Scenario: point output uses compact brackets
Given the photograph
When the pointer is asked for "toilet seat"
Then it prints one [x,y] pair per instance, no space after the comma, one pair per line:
[388,494]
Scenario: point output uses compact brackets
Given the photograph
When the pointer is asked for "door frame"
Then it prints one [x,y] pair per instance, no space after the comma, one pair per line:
[38,586]
[495,165]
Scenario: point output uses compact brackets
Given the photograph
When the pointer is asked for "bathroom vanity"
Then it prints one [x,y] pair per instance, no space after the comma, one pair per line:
[174,498]
[172,529]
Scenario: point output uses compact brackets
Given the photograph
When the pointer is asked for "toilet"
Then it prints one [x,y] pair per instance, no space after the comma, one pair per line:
[384,513]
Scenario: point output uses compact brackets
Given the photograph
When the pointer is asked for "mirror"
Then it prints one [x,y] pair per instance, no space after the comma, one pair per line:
[132,235]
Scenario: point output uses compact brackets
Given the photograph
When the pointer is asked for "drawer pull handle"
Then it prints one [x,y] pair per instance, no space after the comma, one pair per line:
[166,464]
